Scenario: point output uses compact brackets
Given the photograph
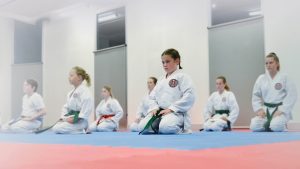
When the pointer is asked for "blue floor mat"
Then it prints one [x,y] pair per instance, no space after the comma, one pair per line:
[195,141]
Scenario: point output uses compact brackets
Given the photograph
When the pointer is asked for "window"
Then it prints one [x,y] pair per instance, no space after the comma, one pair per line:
[223,11]
[111,28]
[27,43]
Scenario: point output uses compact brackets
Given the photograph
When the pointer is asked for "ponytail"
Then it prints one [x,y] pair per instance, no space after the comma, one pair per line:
[87,78]
[275,57]
[81,72]
[174,54]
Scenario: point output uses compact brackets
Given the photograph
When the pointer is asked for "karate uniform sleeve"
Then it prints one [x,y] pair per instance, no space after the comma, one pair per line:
[86,106]
[290,99]
[117,109]
[233,108]
[208,110]
[187,100]
[64,110]
[257,102]
[65,107]
[38,103]
[140,110]
[152,99]
[98,113]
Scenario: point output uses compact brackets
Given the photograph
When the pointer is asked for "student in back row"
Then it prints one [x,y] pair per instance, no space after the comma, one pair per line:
[273,99]
[33,110]
[108,113]
[144,105]
[221,110]
[171,99]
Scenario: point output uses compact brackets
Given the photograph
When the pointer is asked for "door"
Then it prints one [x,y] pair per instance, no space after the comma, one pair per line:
[111,70]
[236,51]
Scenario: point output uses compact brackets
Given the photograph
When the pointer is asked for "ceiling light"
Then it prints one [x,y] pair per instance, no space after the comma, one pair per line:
[107,17]
[254,13]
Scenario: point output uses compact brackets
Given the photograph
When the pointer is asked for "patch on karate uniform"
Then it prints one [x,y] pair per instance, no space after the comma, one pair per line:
[173,83]
[75,95]
[278,86]
[223,99]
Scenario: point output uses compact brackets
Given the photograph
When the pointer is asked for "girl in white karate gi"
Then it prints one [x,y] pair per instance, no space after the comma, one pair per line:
[221,110]
[144,105]
[274,96]
[33,110]
[75,113]
[174,95]
[108,113]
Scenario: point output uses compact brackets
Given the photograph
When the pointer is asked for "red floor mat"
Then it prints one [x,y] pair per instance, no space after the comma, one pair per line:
[33,156]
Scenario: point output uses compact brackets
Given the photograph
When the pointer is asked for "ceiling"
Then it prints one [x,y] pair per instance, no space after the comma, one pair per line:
[33,10]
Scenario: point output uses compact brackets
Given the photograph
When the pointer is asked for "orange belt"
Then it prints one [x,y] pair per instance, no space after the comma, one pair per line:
[105,117]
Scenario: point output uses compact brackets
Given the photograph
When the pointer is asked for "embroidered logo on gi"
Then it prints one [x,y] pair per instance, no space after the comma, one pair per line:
[278,86]
[224,99]
[75,95]
[108,105]
[173,83]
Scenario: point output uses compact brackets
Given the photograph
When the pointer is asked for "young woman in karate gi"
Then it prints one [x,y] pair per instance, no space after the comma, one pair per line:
[108,113]
[274,96]
[221,110]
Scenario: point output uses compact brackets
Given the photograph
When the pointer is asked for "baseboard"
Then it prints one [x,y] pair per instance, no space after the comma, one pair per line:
[200,126]
[293,125]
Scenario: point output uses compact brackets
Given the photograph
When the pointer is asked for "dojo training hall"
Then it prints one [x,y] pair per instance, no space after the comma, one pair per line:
[119,43]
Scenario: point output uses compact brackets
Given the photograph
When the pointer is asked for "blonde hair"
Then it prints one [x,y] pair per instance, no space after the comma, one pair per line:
[109,90]
[81,72]
[275,57]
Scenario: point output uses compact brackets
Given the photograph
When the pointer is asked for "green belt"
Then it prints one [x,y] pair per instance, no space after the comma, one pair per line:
[270,116]
[228,128]
[222,112]
[75,113]
[272,105]
[153,118]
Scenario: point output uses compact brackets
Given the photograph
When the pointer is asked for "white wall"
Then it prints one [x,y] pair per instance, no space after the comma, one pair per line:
[152,27]
[282,35]
[68,42]
[6,54]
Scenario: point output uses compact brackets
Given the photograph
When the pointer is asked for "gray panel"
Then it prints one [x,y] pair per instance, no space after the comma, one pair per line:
[111,70]
[237,52]
[19,74]
[27,43]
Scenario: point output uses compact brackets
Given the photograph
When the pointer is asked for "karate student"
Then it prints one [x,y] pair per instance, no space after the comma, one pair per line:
[108,113]
[144,105]
[33,110]
[171,98]
[221,110]
[75,113]
[274,96]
